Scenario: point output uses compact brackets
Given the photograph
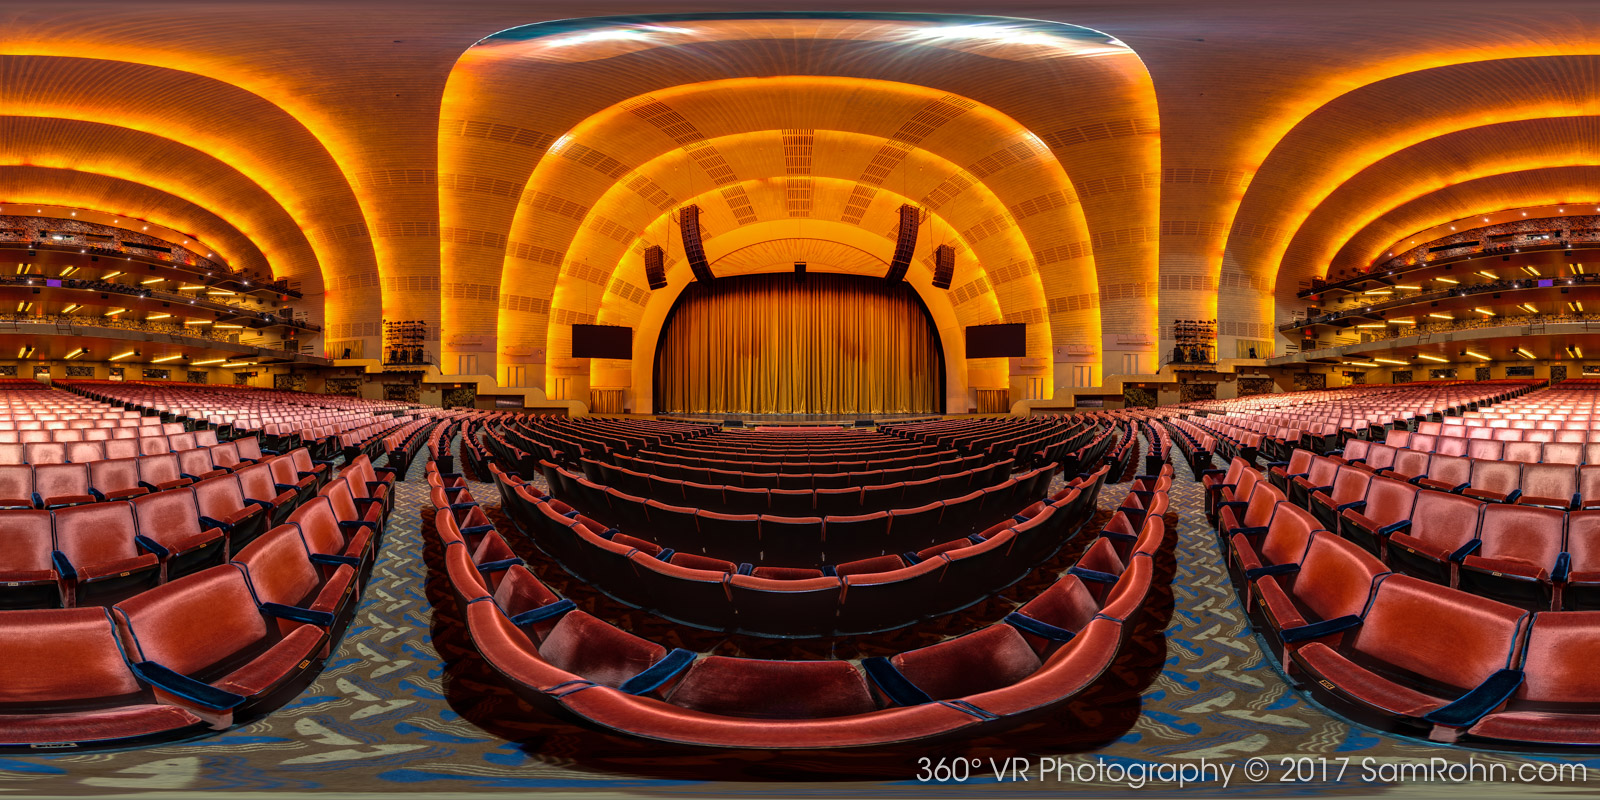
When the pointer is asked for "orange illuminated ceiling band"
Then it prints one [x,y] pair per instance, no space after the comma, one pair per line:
[333,135]
[158,182]
[784,228]
[621,204]
[1528,207]
[236,159]
[1341,83]
[45,203]
[1353,161]
[1475,171]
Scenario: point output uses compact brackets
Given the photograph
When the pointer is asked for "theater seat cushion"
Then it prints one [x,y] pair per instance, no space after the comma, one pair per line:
[751,688]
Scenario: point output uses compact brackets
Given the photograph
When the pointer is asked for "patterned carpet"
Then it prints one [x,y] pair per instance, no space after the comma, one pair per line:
[404,706]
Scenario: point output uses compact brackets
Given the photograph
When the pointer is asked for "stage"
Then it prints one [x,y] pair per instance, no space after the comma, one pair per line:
[806,420]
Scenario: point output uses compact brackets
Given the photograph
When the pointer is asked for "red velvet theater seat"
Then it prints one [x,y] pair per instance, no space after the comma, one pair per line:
[222,505]
[256,481]
[1442,530]
[1447,473]
[171,520]
[791,607]
[367,512]
[160,472]
[285,474]
[1349,490]
[1283,545]
[331,542]
[1422,658]
[116,479]
[16,486]
[28,577]
[1387,509]
[60,485]
[990,658]
[101,555]
[1332,582]
[1495,481]
[1518,551]
[279,570]
[64,683]
[207,647]
[1555,704]
[880,601]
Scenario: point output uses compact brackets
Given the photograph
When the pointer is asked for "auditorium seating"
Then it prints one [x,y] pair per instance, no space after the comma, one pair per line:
[564,660]
[1433,609]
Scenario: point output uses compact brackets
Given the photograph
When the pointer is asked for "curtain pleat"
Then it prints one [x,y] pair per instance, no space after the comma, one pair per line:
[765,344]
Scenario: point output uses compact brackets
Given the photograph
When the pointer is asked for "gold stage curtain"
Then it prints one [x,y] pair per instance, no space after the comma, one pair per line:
[767,344]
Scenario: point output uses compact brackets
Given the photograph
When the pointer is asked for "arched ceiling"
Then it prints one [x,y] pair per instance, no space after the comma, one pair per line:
[74,189]
[1437,165]
[918,107]
[1467,202]
[379,149]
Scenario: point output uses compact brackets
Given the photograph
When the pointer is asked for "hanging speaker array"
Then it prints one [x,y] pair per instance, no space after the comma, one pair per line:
[655,267]
[905,243]
[693,249]
[944,266]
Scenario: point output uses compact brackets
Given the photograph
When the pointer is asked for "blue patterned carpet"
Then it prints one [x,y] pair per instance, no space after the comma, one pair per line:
[404,707]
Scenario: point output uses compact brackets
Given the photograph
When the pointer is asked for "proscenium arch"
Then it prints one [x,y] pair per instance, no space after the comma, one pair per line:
[1065,81]
[979,309]
[648,320]
[972,208]
[1034,184]
[659,327]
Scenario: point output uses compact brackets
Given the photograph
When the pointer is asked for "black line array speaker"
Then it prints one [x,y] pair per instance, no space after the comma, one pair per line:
[905,243]
[694,249]
[799,272]
[655,267]
[944,266]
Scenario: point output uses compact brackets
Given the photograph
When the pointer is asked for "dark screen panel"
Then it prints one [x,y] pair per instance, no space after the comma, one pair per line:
[602,341]
[997,341]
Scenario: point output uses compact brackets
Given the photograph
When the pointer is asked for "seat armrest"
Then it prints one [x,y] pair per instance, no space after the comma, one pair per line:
[210,522]
[499,566]
[201,694]
[1256,573]
[152,546]
[544,612]
[357,524]
[1317,630]
[1563,568]
[1467,709]
[332,560]
[1358,506]
[657,674]
[1393,527]
[1092,575]
[893,683]
[63,566]
[1039,628]
[321,619]
[1466,550]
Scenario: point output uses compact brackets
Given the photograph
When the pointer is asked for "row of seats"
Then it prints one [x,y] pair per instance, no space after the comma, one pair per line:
[84,452]
[204,651]
[52,485]
[747,494]
[863,596]
[568,662]
[699,468]
[799,541]
[99,553]
[1532,556]
[1402,654]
